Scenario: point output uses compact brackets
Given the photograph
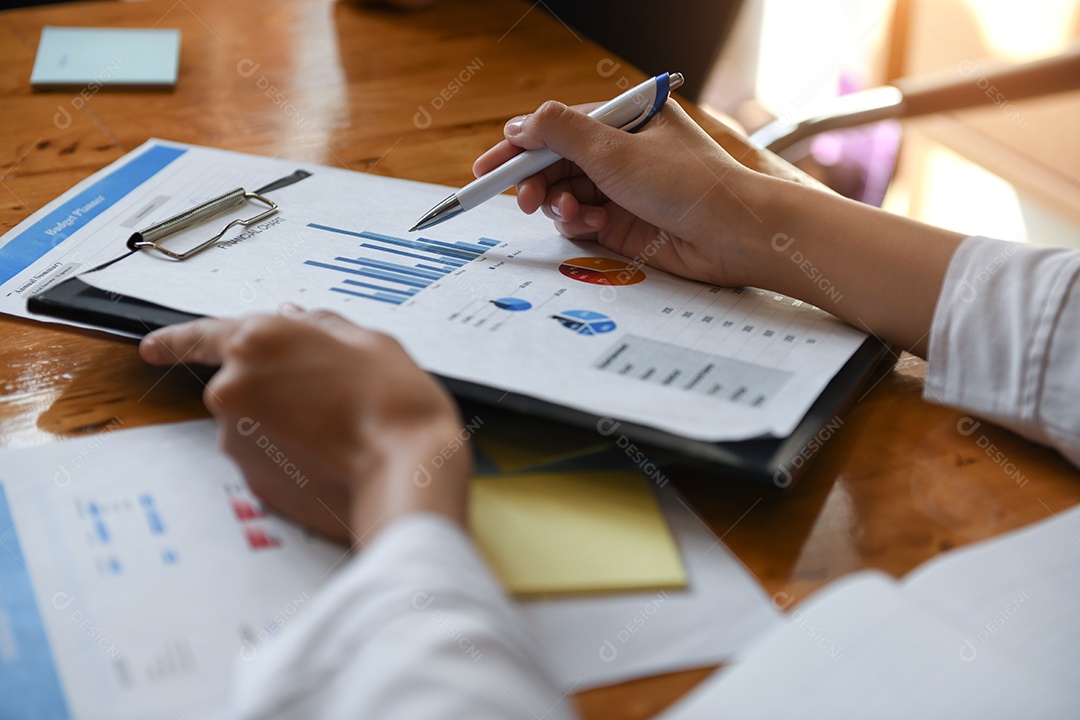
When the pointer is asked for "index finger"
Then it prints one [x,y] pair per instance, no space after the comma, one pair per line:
[197,342]
[504,150]
[494,157]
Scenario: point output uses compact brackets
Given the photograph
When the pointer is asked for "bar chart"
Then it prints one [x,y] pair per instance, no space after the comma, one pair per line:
[712,375]
[256,527]
[391,269]
[124,530]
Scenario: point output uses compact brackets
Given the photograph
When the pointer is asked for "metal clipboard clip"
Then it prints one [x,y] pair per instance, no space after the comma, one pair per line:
[149,238]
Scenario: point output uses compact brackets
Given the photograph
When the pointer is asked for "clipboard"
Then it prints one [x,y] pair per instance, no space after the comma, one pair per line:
[778,462]
[74,299]
[775,461]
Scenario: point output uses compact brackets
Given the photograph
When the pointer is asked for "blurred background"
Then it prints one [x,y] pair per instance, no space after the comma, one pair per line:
[1010,169]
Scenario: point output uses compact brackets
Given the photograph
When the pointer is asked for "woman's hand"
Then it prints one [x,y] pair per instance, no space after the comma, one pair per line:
[671,197]
[330,424]
[668,195]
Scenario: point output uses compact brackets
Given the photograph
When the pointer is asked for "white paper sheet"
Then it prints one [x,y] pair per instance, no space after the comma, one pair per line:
[985,632]
[1014,595]
[153,571]
[604,640]
[504,301]
[136,573]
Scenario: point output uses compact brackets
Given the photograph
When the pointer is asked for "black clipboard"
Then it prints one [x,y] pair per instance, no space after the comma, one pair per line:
[75,300]
[779,462]
[79,301]
[775,461]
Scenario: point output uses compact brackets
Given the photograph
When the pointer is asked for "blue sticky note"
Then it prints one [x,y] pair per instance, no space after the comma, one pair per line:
[106,57]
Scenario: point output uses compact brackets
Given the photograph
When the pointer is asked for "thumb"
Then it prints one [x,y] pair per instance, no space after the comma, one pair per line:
[570,133]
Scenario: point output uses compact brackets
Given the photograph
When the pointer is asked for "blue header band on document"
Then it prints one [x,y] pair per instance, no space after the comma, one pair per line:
[26,661]
[57,226]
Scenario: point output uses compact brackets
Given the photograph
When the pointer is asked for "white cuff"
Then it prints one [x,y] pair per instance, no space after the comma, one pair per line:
[417,627]
[1004,339]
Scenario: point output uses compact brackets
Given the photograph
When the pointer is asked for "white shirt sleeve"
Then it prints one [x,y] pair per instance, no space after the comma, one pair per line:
[415,627]
[1005,340]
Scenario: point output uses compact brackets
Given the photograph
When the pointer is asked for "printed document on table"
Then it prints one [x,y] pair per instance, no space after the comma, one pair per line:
[137,572]
[987,631]
[135,588]
[492,297]
[605,640]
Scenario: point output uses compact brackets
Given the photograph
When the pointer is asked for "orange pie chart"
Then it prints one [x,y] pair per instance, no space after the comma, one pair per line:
[601,271]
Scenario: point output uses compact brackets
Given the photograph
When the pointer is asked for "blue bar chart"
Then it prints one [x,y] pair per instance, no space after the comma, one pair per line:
[118,528]
[391,269]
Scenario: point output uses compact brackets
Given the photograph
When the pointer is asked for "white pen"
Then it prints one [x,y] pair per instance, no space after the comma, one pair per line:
[629,111]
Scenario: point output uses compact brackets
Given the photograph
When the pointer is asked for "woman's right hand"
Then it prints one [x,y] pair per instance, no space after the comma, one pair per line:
[669,195]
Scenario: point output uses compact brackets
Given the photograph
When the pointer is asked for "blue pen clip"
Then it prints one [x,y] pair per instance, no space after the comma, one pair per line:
[665,83]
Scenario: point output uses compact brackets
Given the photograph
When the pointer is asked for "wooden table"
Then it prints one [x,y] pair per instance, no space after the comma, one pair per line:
[419,95]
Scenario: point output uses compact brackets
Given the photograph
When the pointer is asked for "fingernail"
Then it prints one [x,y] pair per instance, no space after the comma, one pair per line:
[514,126]
[289,308]
[555,211]
[594,218]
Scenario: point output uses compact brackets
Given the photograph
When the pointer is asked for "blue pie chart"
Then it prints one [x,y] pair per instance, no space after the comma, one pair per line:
[511,304]
[585,322]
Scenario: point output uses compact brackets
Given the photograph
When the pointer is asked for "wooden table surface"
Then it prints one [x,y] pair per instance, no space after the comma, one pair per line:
[419,95]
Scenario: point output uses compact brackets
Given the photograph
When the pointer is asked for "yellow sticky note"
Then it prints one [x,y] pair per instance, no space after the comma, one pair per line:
[584,532]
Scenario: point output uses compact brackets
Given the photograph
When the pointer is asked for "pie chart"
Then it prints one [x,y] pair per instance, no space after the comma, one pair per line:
[511,304]
[585,322]
[601,271]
